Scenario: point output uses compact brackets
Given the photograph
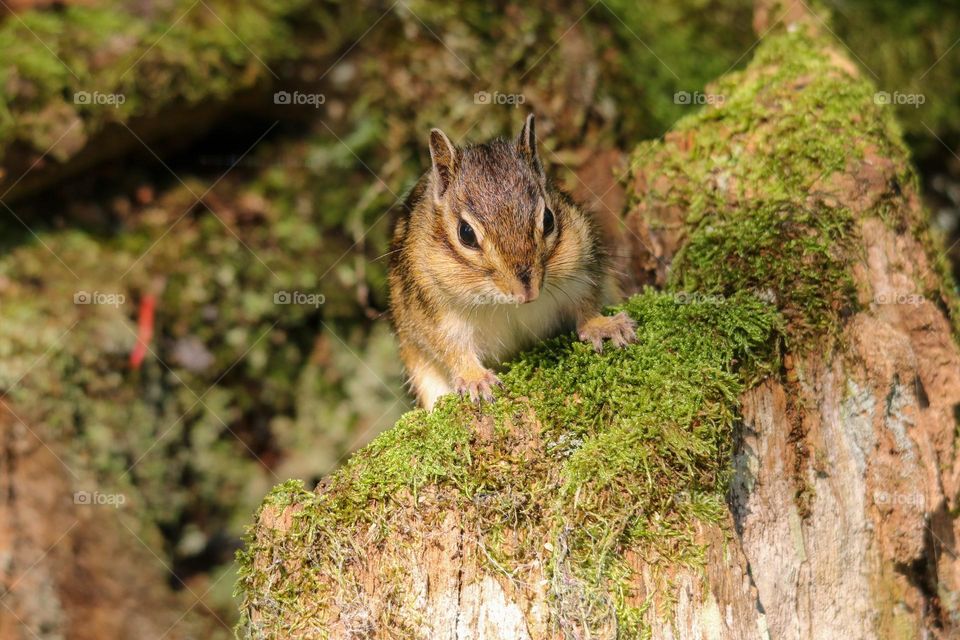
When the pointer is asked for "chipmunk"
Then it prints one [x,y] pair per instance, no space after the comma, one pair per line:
[488,258]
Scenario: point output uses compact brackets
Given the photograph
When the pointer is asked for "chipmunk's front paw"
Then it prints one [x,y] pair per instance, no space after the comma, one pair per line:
[480,388]
[621,329]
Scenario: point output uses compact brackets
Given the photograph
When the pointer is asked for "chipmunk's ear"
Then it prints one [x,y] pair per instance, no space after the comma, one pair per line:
[445,159]
[527,144]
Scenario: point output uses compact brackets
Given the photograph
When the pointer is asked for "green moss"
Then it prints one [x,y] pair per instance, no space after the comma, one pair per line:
[796,257]
[775,224]
[594,454]
[423,448]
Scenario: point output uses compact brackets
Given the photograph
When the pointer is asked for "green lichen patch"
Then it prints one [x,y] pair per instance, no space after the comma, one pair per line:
[582,459]
[767,178]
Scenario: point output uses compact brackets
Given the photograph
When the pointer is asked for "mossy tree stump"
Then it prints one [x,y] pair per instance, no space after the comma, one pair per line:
[775,457]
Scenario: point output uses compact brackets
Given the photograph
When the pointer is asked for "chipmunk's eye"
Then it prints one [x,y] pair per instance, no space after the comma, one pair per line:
[468,237]
[548,222]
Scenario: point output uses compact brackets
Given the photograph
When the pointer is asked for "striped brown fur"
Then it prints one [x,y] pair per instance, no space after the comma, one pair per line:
[459,309]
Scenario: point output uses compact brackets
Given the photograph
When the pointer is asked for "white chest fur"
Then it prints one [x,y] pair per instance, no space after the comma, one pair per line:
[498,331]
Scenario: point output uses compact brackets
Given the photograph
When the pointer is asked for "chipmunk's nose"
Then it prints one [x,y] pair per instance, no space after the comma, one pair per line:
[528,292]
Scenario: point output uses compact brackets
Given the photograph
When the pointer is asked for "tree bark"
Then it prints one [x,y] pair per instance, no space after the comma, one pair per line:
[845,473]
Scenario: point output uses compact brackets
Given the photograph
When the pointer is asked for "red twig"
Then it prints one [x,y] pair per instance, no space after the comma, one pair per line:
[144,330]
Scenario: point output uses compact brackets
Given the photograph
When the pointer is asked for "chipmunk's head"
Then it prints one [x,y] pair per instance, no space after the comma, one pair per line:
[498,225]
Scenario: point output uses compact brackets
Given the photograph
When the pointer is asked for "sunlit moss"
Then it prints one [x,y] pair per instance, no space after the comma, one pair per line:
[766,222]
[629,448]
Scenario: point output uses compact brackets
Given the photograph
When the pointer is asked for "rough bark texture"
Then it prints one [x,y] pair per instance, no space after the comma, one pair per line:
[847,477]
[845,474]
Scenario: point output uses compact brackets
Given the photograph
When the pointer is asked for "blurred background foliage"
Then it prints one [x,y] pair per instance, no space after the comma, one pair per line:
[203,193]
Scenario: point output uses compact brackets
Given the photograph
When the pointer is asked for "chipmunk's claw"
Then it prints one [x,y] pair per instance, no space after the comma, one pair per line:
[478,389]
[620,329]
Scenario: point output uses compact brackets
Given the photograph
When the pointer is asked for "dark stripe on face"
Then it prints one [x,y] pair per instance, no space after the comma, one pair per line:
[558,229]
[411,292]
[408,286]
[421,298]
[451,251]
